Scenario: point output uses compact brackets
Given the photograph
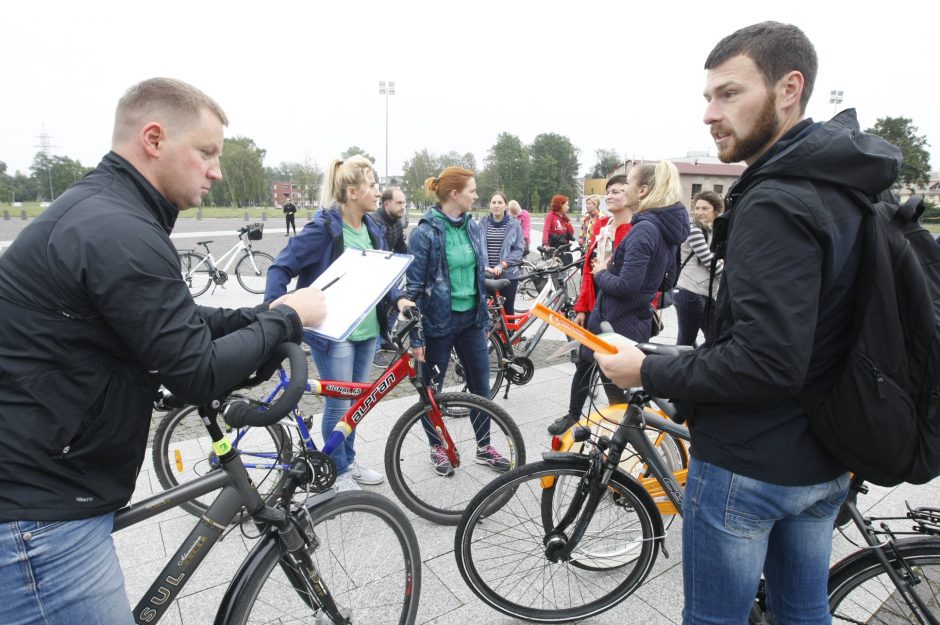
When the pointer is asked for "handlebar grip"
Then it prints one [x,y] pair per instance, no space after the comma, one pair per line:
[239,414]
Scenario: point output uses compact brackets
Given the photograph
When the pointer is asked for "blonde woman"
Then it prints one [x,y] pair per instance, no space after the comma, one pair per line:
[350,193]
[627,280]
[592,208]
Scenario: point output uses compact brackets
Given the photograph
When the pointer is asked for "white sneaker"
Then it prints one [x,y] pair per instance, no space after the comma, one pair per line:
[345,482]
[365,476]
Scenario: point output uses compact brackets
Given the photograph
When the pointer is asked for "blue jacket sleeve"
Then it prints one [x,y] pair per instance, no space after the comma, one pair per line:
[626,285]
[303,251]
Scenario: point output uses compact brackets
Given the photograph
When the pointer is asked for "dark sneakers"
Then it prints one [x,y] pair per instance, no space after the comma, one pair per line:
[561,424]
[489,456]
[440,462]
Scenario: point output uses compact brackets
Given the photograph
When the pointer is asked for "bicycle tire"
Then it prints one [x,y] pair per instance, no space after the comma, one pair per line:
[454,377]
[251,280]
[533,286]
[195,272]
[182,451]
[860,590]
[501,551]
[367,554]
[411,475]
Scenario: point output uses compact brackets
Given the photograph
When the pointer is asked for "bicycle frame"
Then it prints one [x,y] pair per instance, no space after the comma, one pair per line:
[231,255]
[237,491]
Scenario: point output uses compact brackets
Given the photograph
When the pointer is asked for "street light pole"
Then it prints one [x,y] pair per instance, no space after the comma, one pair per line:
[386,91]
[835,99]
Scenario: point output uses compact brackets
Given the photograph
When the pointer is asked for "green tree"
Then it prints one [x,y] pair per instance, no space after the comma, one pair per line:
[915,168]
[51,175]
[415,171]
[456,159]
[506,169]
[243,179]
[553,167]
[6,184]
[355,149]
[605,161]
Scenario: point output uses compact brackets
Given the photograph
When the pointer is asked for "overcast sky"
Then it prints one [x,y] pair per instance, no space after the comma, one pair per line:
[301,78]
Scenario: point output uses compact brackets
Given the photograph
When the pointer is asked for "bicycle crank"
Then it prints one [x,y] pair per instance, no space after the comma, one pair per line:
[520,370]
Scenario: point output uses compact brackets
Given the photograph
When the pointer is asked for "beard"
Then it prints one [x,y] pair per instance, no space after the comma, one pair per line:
[765,129]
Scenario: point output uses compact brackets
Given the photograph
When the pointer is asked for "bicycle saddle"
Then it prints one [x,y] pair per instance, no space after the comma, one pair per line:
[664,350]
[498,284]
[204,242]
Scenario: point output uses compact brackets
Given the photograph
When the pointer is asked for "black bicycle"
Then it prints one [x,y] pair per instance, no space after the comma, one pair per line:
[338,558]
[578,535]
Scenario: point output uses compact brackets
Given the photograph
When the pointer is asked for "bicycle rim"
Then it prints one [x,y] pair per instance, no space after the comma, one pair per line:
[182,451]
[862,592]
[252,271]
[367,555]
[195,273]
[437,498]
[501,550]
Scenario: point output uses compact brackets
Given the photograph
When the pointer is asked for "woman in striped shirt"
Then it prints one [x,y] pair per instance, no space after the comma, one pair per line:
[503,245]
[696,290]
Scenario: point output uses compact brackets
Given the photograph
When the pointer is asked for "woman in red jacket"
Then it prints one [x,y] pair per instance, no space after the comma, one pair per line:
[557,229]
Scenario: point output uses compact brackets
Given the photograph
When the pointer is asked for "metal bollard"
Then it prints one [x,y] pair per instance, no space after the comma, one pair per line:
[264,215]
[23,215]
[309,215]
[246,215]
[6,215]
[198,214]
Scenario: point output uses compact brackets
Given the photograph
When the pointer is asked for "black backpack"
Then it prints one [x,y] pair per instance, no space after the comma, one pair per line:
[881,419]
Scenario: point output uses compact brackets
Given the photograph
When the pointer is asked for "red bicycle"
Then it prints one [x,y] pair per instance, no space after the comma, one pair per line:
[436,456]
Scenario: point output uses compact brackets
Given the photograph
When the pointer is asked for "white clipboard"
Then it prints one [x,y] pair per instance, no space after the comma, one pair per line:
[354,284]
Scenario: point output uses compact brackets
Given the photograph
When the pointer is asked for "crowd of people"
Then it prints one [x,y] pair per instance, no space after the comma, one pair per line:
[92,302]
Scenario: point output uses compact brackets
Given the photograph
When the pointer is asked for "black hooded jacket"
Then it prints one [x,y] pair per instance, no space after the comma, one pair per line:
[784,303]
[94,316]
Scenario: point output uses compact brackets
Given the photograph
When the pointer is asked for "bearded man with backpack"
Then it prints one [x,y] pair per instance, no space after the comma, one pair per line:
[762,489]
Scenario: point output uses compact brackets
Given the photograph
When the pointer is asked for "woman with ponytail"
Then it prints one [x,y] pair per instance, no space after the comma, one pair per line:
[627,281]
[349,197]
[446,281]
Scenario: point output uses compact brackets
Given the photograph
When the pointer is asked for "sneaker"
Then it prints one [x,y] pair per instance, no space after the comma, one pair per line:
[561,424]
[489,456]
[381,360]
[440,462]
[345,482]
[365,476]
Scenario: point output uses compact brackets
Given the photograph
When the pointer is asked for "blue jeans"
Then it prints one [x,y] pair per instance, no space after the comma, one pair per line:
[346,361]
[691,311]
[61,572]
[735,527]
[469,341]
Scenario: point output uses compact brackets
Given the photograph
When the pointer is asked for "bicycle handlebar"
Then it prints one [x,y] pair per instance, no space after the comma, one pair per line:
[538,273]
[239,413]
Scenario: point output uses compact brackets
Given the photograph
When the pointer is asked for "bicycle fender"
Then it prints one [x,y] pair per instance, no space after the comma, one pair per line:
[253,560]
[574,460]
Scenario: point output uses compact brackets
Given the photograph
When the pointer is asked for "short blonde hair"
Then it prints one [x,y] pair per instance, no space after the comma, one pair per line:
[594,199]
[172,102]
[343,173]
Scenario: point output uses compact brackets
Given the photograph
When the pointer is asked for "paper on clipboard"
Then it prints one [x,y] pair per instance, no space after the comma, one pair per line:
[356,281]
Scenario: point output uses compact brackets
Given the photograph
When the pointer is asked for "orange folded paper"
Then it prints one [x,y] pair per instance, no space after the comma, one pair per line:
[573,330]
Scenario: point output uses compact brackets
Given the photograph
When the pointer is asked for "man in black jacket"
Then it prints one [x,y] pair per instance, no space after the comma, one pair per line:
[762,492]
[290,209]
[95,318]
[393,207]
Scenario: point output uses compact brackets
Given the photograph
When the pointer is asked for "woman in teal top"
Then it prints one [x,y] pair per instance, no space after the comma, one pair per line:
[351,189]
[446,280]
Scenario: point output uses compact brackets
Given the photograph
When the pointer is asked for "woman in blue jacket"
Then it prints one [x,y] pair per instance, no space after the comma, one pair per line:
[351,191]
[503,246]
[627,281]
[446,281]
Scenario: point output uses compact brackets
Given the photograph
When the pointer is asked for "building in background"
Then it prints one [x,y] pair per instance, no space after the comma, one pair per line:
[697,172]
[299,194]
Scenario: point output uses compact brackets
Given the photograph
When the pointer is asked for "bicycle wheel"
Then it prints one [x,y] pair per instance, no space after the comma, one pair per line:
[182,451]
[252,271]
[455,374]
[501,550]
[411,474]
[367,554]
[533,286]
[195,272]
[860,590]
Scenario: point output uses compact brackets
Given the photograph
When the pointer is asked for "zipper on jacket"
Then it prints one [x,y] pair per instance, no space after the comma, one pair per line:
[879,382]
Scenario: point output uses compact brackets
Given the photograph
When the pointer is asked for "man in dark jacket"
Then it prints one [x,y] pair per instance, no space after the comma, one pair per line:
[95,318]
[391,211]
[290,210]
[762,492]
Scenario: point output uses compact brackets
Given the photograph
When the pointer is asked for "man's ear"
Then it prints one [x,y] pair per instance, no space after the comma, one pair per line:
[790,90]
[152,137]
